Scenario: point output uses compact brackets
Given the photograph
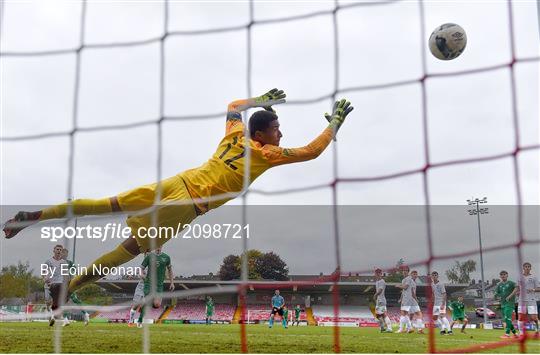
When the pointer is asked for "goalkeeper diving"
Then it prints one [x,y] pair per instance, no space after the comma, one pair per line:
[193,192]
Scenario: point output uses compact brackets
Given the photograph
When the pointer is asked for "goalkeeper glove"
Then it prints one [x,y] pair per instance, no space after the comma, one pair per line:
[340,111]
[272,97]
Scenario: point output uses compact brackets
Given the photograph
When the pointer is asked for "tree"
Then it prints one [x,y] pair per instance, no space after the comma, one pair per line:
[229,268]
[93,294]
[18,281]
[260,266]
[253,255]
[395,274]
[461,272]
[271,267]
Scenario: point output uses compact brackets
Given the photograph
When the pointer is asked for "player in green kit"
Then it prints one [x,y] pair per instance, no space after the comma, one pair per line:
[297,311]
[156,263]
[506,292]
[209,310]
[73,296]
[285,318]
[458,314]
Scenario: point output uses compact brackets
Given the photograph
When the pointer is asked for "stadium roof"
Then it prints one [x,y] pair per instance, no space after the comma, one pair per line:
[128,286]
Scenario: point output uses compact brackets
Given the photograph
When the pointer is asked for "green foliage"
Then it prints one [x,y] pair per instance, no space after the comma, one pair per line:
[461,272]
[271,267]
[18,281]
[93,294]
[229,269]
[260,266]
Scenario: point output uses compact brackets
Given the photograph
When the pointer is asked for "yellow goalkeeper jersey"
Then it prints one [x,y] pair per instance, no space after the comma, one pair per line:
[224,172]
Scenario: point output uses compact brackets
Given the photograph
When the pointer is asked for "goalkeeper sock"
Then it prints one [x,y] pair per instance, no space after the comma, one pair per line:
[271,322]
[80,207]
[75,299]
[116,257]
[284,322]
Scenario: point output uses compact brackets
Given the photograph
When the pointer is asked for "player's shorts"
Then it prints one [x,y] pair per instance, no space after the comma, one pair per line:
[438,310]
[277,310]
[210,313]
[410,309]
[168,215]
[529,307]
[138,297]
[460,318]
[380,309]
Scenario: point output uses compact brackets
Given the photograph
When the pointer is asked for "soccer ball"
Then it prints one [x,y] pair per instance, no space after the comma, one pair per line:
[447,41]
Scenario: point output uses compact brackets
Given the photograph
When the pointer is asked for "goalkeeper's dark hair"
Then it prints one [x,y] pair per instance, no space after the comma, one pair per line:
[260,121]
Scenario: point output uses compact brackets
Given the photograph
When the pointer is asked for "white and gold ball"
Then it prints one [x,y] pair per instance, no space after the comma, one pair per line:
[447,41]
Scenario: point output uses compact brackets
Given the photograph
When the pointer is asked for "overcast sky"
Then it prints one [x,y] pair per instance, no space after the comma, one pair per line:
[468,116]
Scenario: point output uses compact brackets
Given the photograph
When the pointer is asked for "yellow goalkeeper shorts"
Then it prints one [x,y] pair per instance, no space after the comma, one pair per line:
[170,216]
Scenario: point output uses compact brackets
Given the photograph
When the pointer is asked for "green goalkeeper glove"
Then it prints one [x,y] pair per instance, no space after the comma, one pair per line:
[340,111]
[272,97]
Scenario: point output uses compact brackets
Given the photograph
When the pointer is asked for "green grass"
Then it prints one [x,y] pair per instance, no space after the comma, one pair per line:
[174,338]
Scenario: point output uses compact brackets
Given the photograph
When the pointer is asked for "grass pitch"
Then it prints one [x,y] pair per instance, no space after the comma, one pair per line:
[175,338]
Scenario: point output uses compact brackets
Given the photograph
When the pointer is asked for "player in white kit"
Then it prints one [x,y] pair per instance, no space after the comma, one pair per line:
[53,277]
[527,299]
[418,321]
[439,303]
[380,303]
[407,300]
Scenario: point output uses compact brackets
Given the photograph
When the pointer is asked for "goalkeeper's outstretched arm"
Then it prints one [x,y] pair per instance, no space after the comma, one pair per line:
[235,108]
[278,156]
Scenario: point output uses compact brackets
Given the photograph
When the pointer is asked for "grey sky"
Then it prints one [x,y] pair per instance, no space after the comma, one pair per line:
[468,115]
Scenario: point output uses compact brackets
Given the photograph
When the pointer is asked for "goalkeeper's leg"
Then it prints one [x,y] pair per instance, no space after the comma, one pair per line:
[133,200]
[123,253]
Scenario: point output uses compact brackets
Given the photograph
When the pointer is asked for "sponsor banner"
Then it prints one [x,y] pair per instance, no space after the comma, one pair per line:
[338,324]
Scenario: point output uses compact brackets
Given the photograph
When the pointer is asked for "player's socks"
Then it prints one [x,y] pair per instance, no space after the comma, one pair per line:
[408,323]
[284,322]
[114,258]
[520,327]
[381,323]
[271,322]
[132,315]
[80,207]
[446,323]
[141,315]
[420,325]
[440,324]
[388,323]
[401,322]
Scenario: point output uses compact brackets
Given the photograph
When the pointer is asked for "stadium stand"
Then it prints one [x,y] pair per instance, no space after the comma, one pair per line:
[196,311]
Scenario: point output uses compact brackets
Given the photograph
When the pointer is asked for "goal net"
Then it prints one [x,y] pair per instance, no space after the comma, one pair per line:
[96,106]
